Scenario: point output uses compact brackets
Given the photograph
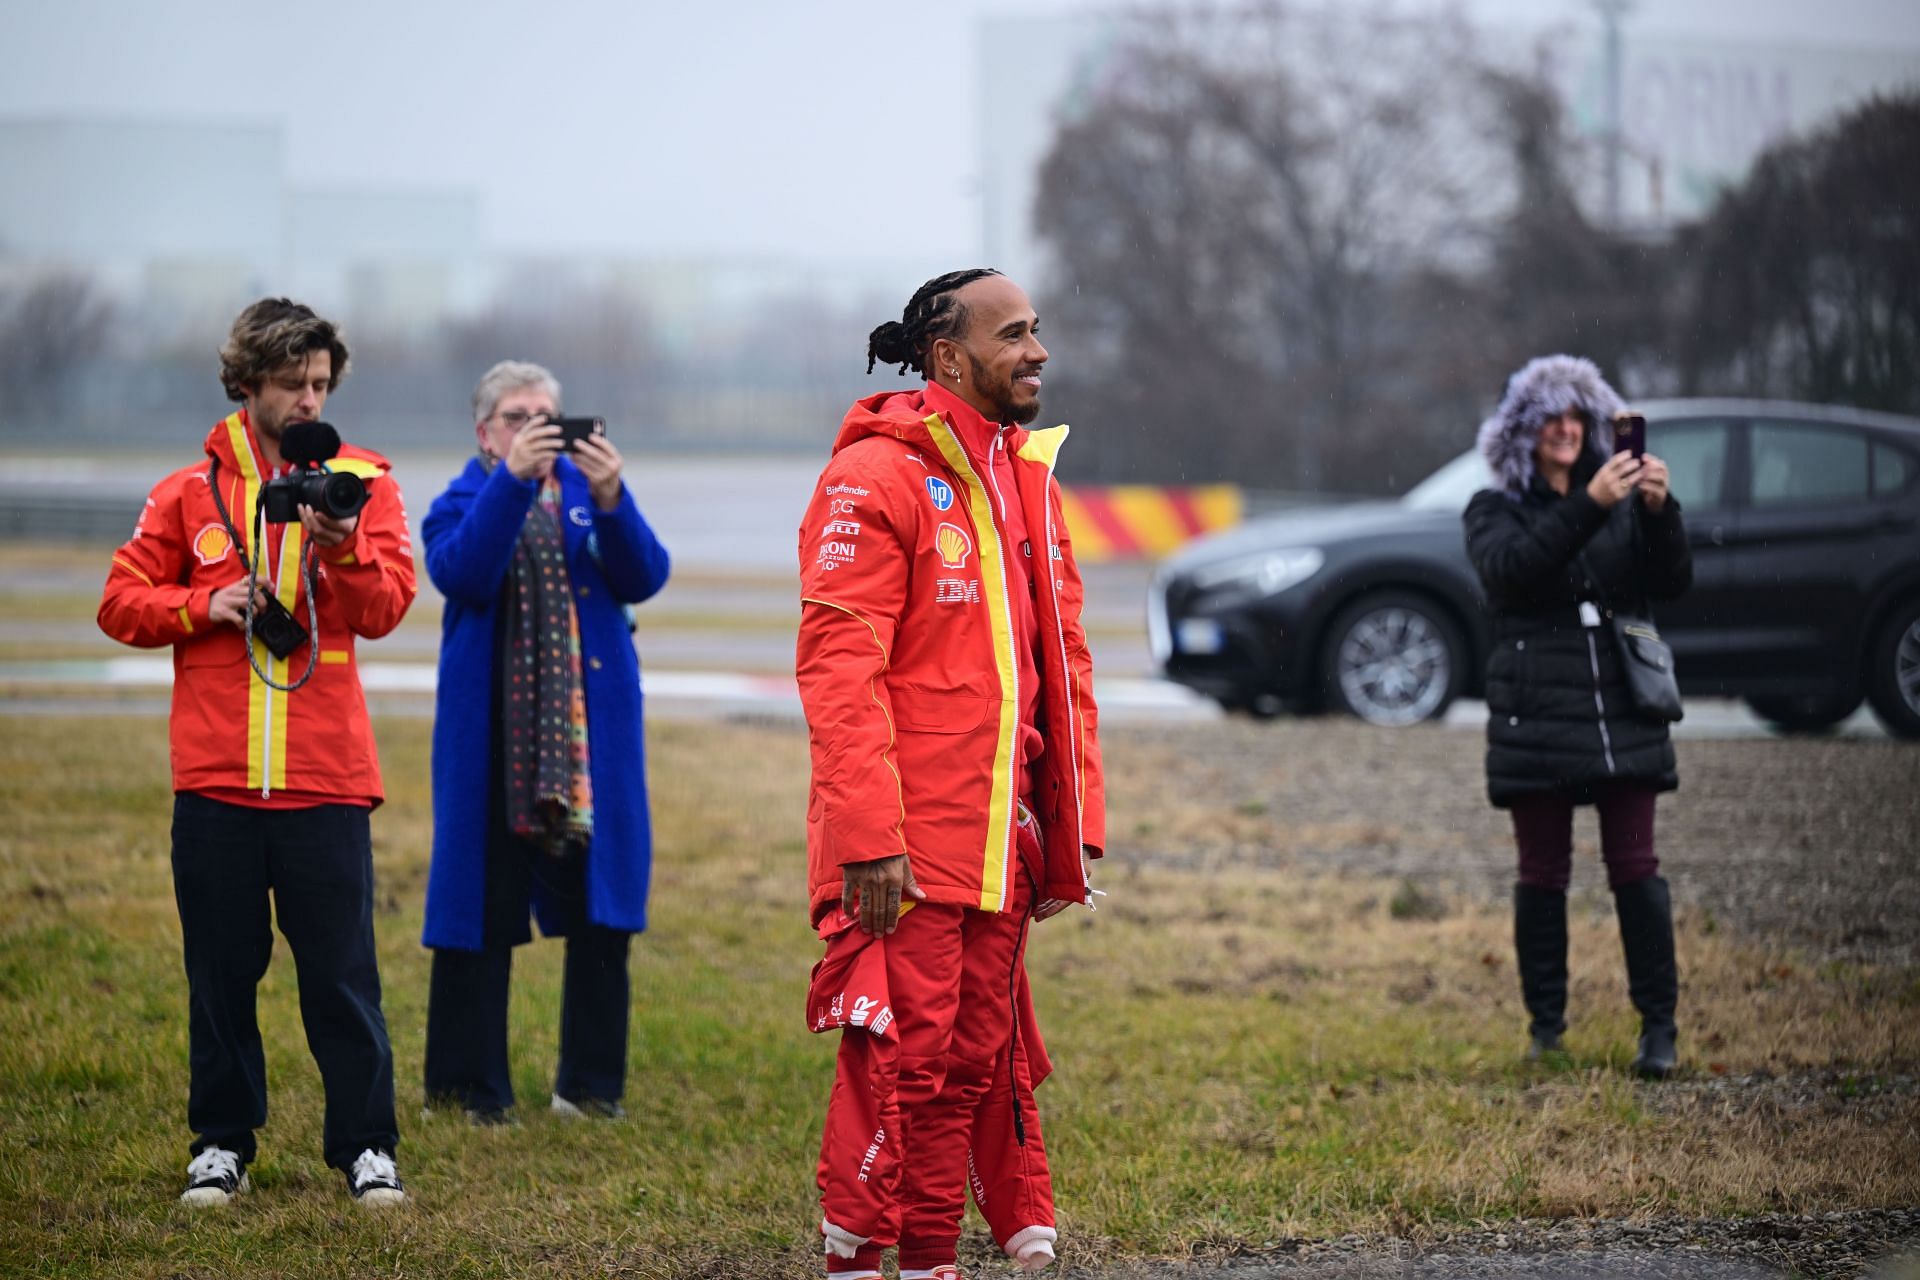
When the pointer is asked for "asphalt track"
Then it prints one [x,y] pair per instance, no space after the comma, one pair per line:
[718,642]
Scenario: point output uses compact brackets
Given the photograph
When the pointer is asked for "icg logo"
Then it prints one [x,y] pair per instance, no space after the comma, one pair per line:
[940,492]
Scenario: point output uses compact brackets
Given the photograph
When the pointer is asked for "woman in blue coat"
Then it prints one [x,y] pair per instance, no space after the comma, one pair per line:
[539,769]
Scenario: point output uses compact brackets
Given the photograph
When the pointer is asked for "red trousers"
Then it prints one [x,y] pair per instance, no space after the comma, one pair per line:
[929,1070]
[1007,1164]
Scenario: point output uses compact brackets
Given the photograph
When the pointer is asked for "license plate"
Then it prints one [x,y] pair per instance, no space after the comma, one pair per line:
[1199,635]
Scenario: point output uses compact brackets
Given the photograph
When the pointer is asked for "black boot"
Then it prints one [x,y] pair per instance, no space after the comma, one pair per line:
[1653,979]
[1540,944]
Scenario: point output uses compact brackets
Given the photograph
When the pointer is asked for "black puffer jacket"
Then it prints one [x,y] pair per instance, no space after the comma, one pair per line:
[1559,714]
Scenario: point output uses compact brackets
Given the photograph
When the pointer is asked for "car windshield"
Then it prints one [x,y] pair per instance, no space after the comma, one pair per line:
[1452,486]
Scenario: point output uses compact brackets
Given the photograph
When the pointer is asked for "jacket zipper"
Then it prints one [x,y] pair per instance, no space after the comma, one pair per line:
[1599,702]
[1006,605]
[266,723]
[271,563]
[999,446]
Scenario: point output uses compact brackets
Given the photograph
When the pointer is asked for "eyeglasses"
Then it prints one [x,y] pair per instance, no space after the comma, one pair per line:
[514,419]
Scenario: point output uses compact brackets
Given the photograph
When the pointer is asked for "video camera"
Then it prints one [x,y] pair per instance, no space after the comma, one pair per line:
[310,446]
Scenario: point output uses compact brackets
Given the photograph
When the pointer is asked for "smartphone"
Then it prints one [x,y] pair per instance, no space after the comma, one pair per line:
[1630,433]
[574,430]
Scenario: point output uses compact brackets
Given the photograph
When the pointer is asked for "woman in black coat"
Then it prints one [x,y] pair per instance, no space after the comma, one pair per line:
[1570,535]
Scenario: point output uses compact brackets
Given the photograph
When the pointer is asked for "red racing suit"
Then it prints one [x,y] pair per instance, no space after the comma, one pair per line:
[234,738]
[909,675]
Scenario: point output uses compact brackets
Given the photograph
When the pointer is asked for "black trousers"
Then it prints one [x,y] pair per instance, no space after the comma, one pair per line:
[317,866]
[467,997]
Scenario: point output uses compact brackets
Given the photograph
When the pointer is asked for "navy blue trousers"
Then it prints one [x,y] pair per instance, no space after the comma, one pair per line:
[467,997]
[316,866]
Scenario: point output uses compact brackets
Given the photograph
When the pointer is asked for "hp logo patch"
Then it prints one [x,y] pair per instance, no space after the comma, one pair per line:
[940,492]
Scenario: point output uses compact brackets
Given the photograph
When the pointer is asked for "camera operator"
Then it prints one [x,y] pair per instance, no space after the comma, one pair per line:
[261,594]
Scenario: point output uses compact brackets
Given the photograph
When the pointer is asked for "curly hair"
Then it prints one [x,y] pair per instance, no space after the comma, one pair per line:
[933,312]
[271,334]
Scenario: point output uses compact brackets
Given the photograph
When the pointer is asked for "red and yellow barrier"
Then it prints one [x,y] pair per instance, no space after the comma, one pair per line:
[1135,521]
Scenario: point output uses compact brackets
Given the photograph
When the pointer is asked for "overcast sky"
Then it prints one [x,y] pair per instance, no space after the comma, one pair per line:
[803,129]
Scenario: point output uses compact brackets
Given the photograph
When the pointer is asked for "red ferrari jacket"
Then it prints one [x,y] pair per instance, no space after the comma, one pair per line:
[230,732]
[908,670]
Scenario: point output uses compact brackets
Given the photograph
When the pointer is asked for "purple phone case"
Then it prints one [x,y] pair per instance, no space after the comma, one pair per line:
[1630,434]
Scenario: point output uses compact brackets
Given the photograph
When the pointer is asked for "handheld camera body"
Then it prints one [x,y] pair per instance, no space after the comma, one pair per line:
[310,446]
[275,626]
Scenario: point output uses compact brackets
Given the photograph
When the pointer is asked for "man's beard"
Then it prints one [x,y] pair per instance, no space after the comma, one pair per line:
[271,425]
[1001,397]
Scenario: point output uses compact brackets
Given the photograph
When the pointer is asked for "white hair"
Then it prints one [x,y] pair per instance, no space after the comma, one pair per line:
[511,375]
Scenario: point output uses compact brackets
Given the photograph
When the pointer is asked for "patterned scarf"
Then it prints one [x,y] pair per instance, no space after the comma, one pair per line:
[543,698]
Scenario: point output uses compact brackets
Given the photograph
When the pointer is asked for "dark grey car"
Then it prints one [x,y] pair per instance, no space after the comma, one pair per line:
[1805,527]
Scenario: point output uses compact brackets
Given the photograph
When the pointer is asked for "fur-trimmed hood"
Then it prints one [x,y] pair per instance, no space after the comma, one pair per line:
[1545,388]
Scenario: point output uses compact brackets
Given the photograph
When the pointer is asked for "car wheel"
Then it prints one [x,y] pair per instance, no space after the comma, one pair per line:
[1804,715]
[1393,658]
[1893,680]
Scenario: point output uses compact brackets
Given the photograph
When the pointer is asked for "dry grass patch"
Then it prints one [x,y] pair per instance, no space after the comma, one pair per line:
[1247,1049]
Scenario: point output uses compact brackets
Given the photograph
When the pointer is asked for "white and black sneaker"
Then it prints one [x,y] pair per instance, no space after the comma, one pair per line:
[375,1180]
[215,1176]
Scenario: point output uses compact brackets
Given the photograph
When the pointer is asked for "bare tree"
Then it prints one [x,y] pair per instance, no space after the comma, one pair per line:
[1808,274]
[599,338]
[49,328]
[1238,218]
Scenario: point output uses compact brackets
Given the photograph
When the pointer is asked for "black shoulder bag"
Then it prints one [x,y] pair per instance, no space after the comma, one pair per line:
[1646,658]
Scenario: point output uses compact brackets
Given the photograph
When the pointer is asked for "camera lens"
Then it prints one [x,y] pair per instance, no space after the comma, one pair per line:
[340,494]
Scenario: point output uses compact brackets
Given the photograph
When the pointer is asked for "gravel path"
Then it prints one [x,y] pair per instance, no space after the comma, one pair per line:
[1879,1244]
[1806,844]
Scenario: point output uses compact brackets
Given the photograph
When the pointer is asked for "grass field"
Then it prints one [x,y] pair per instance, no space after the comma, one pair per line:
[1243,1055]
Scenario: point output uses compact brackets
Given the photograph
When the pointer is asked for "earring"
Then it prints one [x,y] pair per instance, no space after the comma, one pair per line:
[953,373]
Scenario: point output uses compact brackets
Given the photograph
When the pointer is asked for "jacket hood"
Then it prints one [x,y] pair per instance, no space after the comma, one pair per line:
[1545,388]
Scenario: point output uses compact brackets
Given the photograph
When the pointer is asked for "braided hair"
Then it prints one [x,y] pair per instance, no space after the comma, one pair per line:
[933,312]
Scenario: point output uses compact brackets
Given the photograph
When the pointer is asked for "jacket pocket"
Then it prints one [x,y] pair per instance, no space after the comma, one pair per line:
[918,712]
[218,649]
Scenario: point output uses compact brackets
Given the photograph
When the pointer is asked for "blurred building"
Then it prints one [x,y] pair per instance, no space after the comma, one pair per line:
[184,221]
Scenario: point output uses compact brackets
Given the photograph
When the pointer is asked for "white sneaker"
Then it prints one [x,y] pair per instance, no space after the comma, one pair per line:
[215,1176]
[375,1180]
[1032,1248]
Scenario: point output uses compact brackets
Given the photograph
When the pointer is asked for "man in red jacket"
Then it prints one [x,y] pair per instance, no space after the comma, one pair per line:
[274,770]
[956,778]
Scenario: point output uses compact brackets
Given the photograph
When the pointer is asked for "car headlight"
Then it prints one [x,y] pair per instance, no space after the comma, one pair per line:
[1263,573]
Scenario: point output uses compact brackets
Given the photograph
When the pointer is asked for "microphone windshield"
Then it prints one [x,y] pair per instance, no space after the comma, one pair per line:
[306,443]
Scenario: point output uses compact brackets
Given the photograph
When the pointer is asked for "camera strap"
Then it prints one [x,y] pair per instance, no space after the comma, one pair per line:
[213,486]
[253,575]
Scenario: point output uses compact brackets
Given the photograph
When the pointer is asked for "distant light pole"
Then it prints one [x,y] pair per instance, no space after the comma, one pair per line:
[1611,12]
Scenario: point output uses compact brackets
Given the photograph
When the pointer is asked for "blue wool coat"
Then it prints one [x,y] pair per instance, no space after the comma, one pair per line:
[613,559]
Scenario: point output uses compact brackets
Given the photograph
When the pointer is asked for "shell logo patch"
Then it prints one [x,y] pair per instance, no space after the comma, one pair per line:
[954,546]
[211,544]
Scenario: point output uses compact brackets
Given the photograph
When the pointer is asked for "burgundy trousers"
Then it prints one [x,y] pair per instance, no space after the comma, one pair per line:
[1543,828]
